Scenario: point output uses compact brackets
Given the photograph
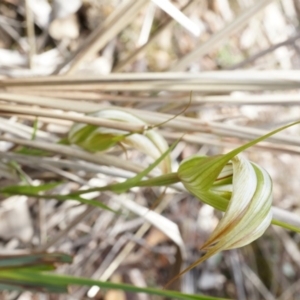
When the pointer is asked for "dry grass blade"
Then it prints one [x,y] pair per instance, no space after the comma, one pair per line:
[177,15]
[30,34]
[40,146]
[220,36]
[6,25]
[185,124]
[262,53]
[203,82]
[200,139]
[253,99]
[103,159]
[290,245]
[101,36]
[237,273]
[74,165]
[23,110]
[290,291]
[180,123]
[129,247]
[147,24]
[72,225]
[165,26]
[66,99]
[255,280]
[92,38]
[56,103]
[24,131]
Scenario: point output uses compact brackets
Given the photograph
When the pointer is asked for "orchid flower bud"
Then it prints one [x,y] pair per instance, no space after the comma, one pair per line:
[94,138]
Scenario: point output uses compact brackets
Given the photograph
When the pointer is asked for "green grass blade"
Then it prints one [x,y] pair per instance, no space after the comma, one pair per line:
[10,261]
[255,141]
[162,180]
[31,151]
[10,287]
[85,201]
[131,182]
[50,280]
[32,191]
[35,129]
[286,225]
[29,189]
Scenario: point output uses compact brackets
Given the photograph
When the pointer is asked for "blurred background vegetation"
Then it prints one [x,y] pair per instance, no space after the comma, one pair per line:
[62,59]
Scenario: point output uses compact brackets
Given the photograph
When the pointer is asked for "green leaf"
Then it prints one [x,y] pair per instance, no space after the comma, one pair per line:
[162,180]
[35,128]
[89,138]
[25,178]
[29,189]
[35,264]
[79,136]
[64,141]
[25,260]
[24,285]
[10,287]
[30,151]
[52,281]
[285,225]
[33,191]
